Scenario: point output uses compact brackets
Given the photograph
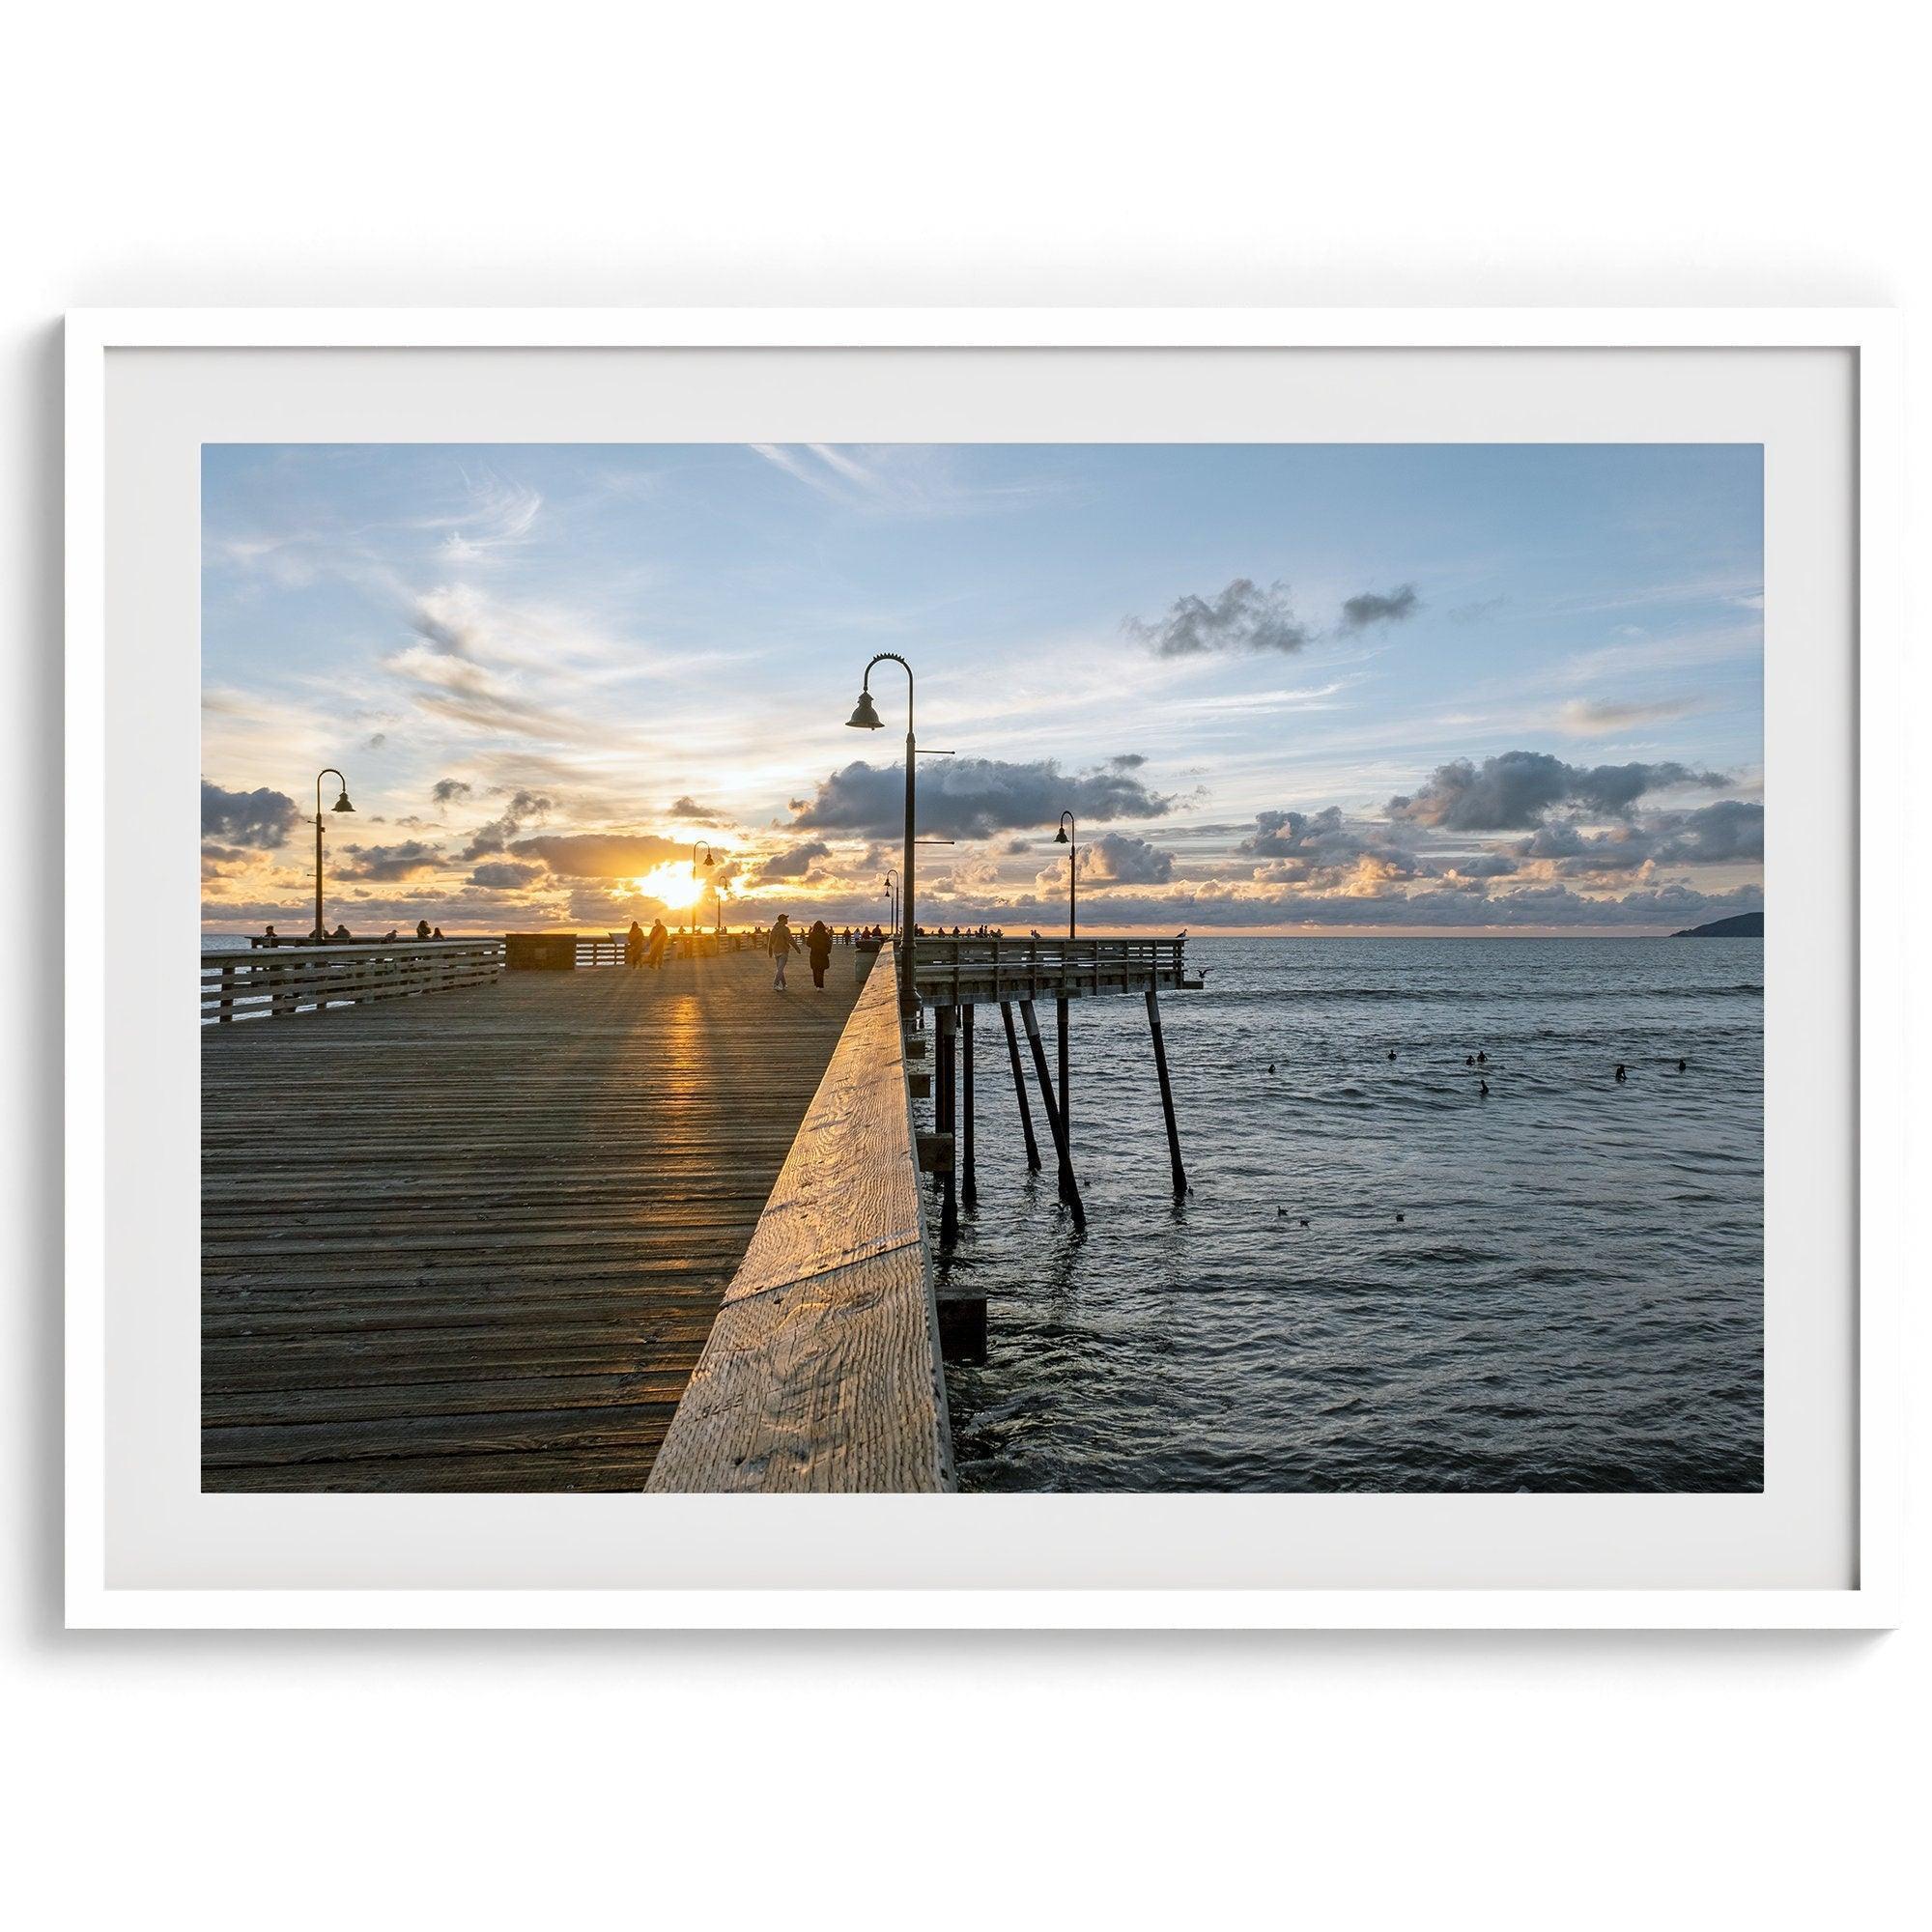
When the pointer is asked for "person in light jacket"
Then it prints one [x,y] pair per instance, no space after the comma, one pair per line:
[780,945]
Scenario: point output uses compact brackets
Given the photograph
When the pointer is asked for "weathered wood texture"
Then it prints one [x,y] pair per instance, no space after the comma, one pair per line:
[476,1242]
[823,1372]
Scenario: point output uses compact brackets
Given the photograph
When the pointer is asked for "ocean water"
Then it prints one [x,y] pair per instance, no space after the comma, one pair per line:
[1573,1301]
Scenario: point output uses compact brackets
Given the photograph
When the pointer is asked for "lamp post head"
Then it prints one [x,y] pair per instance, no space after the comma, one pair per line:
[709,861]
[342,804]
[863,717]
[1060,836]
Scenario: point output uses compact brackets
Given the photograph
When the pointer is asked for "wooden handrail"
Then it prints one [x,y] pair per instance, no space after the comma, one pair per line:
[959,971]
[275,982]
[822,1370]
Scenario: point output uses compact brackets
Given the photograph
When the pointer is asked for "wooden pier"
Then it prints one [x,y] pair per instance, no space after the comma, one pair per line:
[475,1240]
[512,1217]
[956,975]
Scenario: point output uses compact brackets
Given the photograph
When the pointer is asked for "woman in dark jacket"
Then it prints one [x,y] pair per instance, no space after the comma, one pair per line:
[818,950]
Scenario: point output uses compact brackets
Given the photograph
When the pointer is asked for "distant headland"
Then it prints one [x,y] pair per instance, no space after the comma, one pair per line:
[1741,926]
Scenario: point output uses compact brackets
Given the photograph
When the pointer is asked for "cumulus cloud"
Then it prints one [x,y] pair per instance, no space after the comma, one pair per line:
[973,797]
[1242,617]
[1398,606]
[794,862]
[1514,791]
[506,875]
[1729,832]
[262,820]
[407,861]
[1443,907]
[1321,849]
[1116,860]
[1285,835]
[692,812]
[495,834]
[445,789]
[599,854]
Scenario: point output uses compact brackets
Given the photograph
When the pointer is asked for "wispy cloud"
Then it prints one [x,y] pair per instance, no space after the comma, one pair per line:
[907,479]
[1599,717]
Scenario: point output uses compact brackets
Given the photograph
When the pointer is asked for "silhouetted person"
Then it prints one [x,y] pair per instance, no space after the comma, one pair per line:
[422,928]
[654,949]
[1683,1065]
[818,950]
[1271,1069]
[269,939]
[1391,1053]
[341,932]
[437,933]
[1620,1073]
[1485,1085]
[1402,1217]
[1482,1058]
[634,948]
[1469,1060]
[780,945]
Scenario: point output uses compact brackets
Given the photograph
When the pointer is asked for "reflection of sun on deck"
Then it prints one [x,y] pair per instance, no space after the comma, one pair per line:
[477,1241]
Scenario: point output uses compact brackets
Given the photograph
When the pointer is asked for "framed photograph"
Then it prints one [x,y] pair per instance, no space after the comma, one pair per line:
[983,968]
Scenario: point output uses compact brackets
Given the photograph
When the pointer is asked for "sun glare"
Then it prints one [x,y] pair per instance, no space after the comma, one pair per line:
[670,884]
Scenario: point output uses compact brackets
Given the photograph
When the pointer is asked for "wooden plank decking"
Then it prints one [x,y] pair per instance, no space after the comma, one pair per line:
[475,1240]
[823,1368]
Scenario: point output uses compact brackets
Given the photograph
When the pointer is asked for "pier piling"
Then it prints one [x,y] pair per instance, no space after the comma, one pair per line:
[949,1206]
[969,1189]
[1166,1095]
[1019,1087]
[1070,1189]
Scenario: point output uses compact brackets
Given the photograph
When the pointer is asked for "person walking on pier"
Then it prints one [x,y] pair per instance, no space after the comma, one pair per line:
[818,950]
[634,947]
[654,952]
[780,945]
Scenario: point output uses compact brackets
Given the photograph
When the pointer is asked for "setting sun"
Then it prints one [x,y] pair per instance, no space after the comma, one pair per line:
[673,884]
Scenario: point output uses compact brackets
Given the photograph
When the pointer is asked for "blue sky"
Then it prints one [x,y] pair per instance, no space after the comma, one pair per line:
[1386,688]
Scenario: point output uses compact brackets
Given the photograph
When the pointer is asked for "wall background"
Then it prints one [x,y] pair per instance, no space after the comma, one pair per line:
[592,154]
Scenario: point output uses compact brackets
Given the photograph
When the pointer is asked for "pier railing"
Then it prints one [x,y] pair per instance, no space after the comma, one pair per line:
[968,971]
[606,949]
[822,1370]
[272,981]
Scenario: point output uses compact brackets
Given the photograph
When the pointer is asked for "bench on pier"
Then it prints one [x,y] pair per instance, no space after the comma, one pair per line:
[822,1370]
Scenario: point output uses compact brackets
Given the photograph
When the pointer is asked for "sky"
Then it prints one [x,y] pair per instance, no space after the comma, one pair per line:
[1307,688]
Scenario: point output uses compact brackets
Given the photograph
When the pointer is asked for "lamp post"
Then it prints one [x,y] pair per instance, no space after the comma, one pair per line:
[341,805]
[1068,836]
[890,886]
[866,718]
[690,911]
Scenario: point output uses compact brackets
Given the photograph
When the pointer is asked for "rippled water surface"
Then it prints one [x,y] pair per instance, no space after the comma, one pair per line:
[1572,1302]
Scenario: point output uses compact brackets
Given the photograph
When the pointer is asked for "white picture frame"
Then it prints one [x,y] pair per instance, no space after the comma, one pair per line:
[95,1599]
